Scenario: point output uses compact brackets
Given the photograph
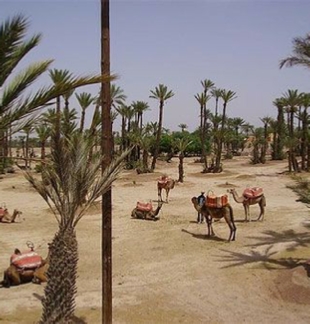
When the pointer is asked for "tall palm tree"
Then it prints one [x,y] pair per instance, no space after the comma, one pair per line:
[266,121]
[84,99]
[301,53]
[216,93]
[281,127]
[202,99]
[162,94]
[59,77]
[139,108]
[71,179]
[118,96]
[291,100]
[227,96]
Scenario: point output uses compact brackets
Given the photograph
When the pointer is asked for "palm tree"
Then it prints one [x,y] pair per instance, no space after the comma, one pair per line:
[71,180]
[44,132]
[14,103]
[266,121]
[301,53]
[183,127]
[291,100]
[162,94]
[202,99]
[227,96]
[139,108]
[279,143]
[85,100]
[59,77]
[216,93]
[117,95]
[181,145]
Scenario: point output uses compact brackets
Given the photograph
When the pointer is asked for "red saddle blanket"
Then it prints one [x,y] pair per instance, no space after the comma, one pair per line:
[144,206]
[2,211]
[26,260]
[253,192]
[216,201]
[163,180]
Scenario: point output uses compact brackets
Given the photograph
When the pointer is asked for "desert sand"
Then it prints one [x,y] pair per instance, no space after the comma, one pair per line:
[169,271]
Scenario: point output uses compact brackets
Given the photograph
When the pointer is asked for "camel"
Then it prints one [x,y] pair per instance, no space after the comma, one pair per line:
[167,184]
[5,216]
[217,213]
[147,214]
[247,202]
[15,276]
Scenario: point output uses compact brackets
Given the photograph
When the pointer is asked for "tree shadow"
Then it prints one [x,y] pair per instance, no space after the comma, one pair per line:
[204,236]
[267,258]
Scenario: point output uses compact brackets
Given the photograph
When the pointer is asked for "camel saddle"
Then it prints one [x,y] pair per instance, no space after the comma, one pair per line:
[144,206]
[163,180]
[27,260]
[253,192]
[216,201]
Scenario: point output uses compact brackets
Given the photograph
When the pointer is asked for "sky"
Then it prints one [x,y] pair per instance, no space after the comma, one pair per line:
[236,44]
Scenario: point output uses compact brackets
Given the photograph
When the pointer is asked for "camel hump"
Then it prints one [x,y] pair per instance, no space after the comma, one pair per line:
[253,192]
[144,206]
[216,201]
[163,180]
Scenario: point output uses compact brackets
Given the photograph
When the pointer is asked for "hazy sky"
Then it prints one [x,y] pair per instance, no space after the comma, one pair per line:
[236,44]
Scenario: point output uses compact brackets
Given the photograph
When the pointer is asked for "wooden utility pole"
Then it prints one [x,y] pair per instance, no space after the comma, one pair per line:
[106,147]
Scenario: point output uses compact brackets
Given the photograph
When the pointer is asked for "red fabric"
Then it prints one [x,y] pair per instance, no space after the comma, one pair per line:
[216,201]
[144,206]
[253,192]
[26,260]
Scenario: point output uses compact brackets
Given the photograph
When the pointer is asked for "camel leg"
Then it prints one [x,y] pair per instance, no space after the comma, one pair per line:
[159,195]
[262,212]
[167,194]
[210,227]
[245,212]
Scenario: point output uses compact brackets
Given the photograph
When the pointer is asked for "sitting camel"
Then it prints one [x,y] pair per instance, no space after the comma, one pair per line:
[165,183]
[148,213]
[247,202]
[214,212]
[6,217]
[36,273]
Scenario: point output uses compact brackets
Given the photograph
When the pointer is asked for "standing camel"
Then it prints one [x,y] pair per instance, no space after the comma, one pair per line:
[167,184]
[213,212]
[247,202]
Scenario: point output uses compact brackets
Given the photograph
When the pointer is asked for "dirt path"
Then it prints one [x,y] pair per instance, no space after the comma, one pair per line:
[169,271]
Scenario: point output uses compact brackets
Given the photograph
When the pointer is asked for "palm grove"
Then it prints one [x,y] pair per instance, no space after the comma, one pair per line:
[46,120]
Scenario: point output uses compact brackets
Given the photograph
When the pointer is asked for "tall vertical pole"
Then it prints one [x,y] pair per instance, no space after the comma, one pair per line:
[106,146]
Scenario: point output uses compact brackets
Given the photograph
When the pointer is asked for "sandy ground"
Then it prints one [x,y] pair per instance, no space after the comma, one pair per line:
[169,271]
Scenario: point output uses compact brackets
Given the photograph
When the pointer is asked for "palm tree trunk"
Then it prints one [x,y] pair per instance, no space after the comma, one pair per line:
[106,148]
[160,122]
[181,168]
[59,301]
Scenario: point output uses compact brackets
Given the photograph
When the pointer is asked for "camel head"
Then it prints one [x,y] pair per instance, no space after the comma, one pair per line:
[195,203]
